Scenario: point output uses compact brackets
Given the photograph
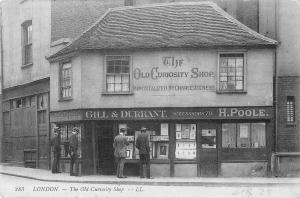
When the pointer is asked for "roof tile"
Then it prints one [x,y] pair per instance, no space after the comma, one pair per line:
[166,25]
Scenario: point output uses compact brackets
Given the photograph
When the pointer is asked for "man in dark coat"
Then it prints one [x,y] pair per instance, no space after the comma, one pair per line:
[55,143]
[142,143]
[120,144]
[74,152]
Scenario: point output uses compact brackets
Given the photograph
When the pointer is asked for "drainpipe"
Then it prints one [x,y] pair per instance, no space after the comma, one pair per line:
[276,158]
[1,90]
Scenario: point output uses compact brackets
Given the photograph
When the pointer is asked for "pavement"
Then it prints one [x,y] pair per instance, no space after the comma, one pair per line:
[46,175]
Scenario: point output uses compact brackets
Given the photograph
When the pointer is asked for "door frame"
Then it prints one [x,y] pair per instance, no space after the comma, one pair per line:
[209,125]
[96,136]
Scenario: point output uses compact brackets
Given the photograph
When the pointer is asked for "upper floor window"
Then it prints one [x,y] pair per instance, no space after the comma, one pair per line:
[231,72]
[290,109]
[66,80]
[27,42]
[117,74]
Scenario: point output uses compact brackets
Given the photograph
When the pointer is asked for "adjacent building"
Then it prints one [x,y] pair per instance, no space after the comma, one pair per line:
[188,72]
[281,20]
[25,82]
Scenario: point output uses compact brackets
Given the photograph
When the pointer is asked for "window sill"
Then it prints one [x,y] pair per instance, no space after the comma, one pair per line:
[65,99]
[26,65]
[231,92]
[116,93]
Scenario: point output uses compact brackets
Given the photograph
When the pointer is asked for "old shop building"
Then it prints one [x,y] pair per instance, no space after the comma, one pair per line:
[200,82]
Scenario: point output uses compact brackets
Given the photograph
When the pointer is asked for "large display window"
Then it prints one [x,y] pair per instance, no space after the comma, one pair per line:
[158,135]
[244,135]
[185,141]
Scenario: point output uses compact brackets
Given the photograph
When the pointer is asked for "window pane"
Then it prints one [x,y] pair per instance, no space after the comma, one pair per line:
[223,62]
[125,79]
[239,85]
[117,69]
[239,62]
[258,135]
[231,62]
[118,87]
[228,135]
[110,79]
[243,135]
[125,87]
[118,79]
[110,87]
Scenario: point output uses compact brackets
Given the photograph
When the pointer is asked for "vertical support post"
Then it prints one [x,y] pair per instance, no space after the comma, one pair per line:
[94,147]
[37,133]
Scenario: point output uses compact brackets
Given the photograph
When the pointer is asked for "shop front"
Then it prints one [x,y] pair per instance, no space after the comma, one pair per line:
[184,142]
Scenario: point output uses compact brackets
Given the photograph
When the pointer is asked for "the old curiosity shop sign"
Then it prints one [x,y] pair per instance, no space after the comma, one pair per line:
[174,74]
[164,113]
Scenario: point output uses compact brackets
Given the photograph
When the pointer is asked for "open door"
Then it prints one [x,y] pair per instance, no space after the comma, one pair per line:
[106,163]
[208,151]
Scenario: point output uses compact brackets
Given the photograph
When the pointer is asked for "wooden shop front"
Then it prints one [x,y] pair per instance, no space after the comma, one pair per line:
[184,142]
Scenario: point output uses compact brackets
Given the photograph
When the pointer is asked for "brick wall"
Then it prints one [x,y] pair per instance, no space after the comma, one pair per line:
[288,137]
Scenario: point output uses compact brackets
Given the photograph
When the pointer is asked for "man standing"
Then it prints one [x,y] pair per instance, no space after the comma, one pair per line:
[55,143]
[120,144]
[142,143]
[74,152]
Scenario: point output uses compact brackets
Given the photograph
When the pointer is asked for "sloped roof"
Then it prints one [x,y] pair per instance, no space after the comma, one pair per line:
[201,24]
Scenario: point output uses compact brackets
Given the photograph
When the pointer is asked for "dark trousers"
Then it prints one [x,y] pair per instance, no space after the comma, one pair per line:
[120,166]
[144,160]
[55,164]
[74,160]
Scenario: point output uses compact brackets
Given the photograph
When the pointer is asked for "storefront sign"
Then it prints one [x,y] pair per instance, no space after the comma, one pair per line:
[60,116]
[174,73]
[164,114]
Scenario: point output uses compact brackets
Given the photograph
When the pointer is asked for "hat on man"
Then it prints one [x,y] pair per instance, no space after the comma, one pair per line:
[122,130]
[75,130]
[143,129]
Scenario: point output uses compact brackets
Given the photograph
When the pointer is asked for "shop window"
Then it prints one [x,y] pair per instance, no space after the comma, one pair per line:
[66,132]
[158,135]
[243,135]
[185,141]
[231,72]
[117,74]
[27,42]
[66,80]
[290,110]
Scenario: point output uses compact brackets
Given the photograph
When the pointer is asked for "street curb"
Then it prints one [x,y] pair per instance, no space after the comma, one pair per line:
[160,183]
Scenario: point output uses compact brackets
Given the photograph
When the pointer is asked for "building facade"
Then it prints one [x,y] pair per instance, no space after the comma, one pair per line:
[195,90]
[25,83]
[280,20]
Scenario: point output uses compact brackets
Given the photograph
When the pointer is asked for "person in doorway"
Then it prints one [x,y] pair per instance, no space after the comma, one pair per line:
[142,143]
[120,144]
[55,144]
[74,152]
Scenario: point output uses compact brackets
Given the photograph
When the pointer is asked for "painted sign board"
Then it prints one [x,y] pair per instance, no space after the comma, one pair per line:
[164,113]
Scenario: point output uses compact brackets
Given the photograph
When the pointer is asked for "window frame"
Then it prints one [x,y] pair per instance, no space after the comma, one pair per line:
[244,90]
[26,43]
[60,80]
[290,109]
[250,134]
[105,91]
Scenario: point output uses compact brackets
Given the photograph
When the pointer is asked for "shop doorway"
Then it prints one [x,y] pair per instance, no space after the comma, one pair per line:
[208,151]
[106,164]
